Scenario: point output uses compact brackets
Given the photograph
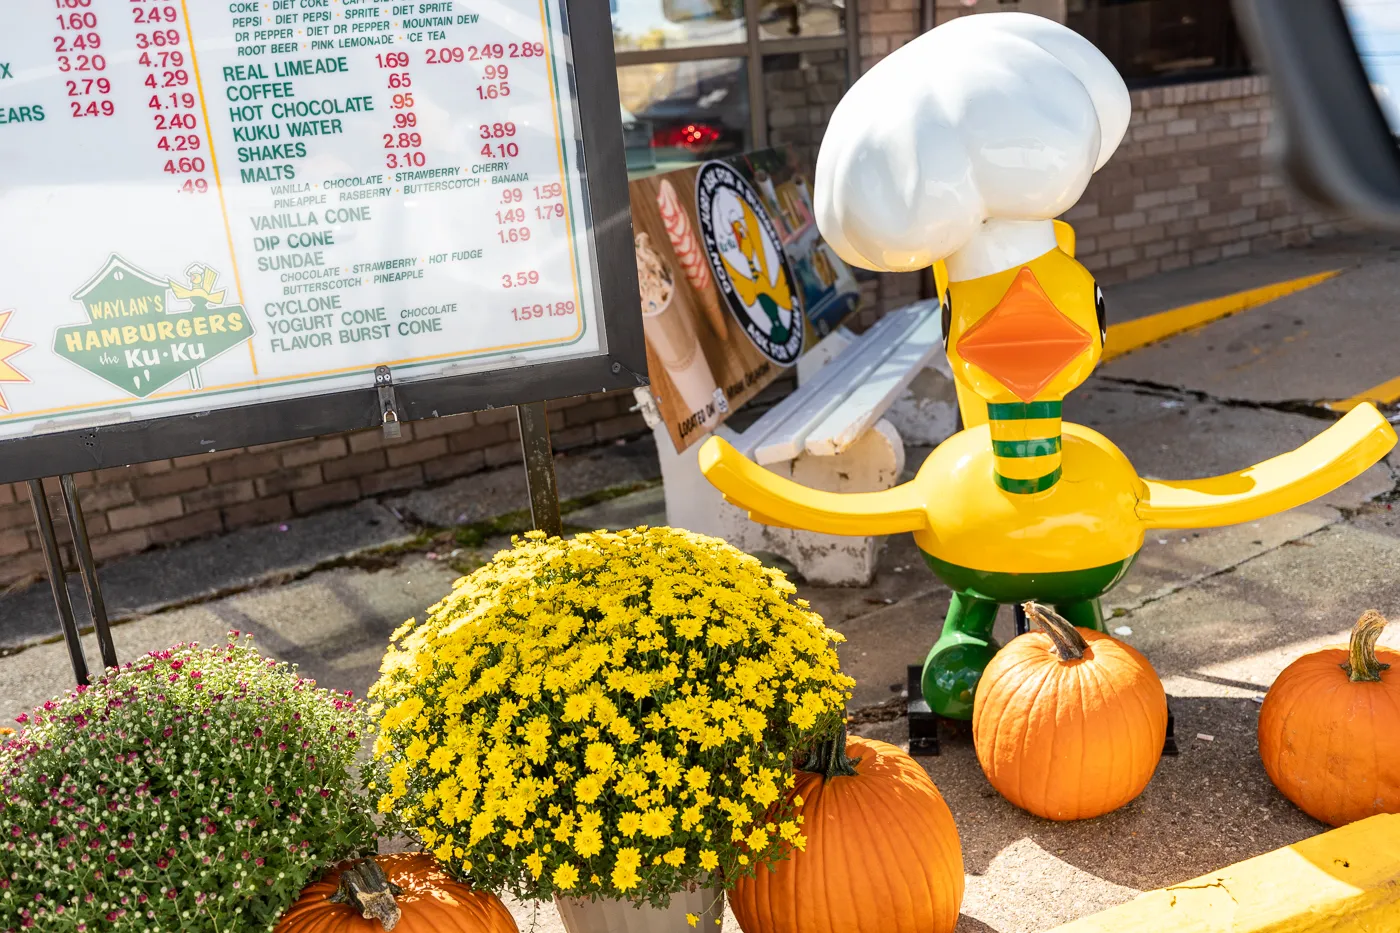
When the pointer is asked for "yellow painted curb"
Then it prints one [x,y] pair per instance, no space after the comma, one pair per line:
[1132,335]
[1384,394]
[1343,881]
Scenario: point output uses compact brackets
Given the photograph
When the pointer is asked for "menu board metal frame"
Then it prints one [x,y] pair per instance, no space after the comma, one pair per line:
[620,364]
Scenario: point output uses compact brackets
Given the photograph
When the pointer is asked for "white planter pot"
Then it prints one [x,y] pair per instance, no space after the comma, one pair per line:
[608,916]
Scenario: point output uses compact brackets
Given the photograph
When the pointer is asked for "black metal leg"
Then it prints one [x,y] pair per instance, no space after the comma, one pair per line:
[1023,624]
[1169,746]
[923,722]
[58,581]
[87,570]
[539,468]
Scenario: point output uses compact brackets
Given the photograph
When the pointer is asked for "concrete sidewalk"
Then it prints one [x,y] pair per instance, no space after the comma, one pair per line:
[1218,612]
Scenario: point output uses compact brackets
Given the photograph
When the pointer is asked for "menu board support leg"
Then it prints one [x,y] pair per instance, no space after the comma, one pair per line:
[87,571]
[539,468]
[58,580]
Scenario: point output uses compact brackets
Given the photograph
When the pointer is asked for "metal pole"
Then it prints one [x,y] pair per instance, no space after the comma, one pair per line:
[539,468]
[87,570]
[58,580]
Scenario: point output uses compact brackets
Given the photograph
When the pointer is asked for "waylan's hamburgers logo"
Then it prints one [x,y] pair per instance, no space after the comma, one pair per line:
[748,262]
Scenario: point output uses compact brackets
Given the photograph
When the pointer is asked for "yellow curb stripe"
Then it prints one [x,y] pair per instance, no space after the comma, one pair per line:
[1384,394]
[1128,336]
[1343,881]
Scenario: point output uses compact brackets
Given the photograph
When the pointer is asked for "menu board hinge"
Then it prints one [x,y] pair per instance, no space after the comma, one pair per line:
[388,405]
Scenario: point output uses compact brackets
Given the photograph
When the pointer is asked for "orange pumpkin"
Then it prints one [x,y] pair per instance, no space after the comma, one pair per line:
[408,891]
[1327,729]
[1068,723]
[882,852]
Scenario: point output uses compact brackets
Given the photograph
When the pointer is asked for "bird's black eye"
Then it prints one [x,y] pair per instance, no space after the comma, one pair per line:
[947,316]
[1103,317]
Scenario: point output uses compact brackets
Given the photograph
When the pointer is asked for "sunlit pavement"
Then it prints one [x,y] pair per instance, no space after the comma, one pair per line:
[1219,613]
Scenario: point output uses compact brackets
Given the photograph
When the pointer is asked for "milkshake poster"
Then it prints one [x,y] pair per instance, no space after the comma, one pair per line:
[736,283]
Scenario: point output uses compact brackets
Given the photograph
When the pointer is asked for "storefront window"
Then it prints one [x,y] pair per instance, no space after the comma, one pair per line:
[674,113]
[639,25]
[1161,41]
[785,19]
[705,79]
[800,92]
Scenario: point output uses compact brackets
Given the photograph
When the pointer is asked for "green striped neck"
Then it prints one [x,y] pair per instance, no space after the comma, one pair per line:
[1026,445]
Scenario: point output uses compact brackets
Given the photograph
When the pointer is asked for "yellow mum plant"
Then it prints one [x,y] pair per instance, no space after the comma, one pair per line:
[611,715]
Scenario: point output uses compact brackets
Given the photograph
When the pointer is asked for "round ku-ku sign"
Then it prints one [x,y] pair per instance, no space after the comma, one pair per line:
[749,263]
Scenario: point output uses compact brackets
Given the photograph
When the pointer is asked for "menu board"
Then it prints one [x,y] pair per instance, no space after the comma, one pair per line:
[215,203]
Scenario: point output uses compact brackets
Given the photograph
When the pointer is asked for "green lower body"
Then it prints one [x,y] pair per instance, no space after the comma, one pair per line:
[956,661]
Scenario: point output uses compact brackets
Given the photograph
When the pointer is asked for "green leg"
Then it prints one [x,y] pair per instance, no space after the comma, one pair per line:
[956,660]
[1084,613]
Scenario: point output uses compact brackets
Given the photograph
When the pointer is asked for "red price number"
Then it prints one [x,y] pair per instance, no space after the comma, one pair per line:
[184,166]
[166,58]
[520,279]
[182,143]
[93,108]
[446,56]
[514,234]
[82,42]
[500,151]
[550,211]
[405,160]
[548,309]
[175,100]
[81,63]
[86,87]
[174,121]
[514,215]
[161,38]
[75,21]
[392,59]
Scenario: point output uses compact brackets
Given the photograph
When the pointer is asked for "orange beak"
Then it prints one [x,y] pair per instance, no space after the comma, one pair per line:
[1025,341]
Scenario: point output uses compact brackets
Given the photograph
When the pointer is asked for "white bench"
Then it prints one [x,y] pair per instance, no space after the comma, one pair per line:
[829,434]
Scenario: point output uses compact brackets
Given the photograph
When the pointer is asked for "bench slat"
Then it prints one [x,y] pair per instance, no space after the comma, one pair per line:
[798,407]
[864,406]
[854,368]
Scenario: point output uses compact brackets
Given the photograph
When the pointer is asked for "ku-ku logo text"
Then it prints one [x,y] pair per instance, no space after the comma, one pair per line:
[749,263]
[144,332]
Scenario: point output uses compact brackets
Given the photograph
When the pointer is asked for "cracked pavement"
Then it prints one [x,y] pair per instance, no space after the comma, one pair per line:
[1218,612]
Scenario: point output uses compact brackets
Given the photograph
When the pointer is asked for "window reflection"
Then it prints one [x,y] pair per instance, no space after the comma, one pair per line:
[786,19]
[675,113]
[1156,41]
[665,24]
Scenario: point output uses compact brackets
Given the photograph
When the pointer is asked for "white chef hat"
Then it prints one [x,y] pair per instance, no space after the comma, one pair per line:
[949,145]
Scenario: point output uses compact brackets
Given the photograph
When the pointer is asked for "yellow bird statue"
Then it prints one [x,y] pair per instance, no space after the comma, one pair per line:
[962,147]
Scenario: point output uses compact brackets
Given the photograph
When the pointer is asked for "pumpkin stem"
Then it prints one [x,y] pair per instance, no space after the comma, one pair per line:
[1069,644]
[829,758]
[365,887]
[1363,664]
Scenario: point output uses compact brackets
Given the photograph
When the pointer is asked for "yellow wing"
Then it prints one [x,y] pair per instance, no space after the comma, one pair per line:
[1341,453]
[773,500]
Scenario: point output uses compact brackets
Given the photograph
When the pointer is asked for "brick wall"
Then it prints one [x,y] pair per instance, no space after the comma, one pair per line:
[1191,185]
[130,509]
